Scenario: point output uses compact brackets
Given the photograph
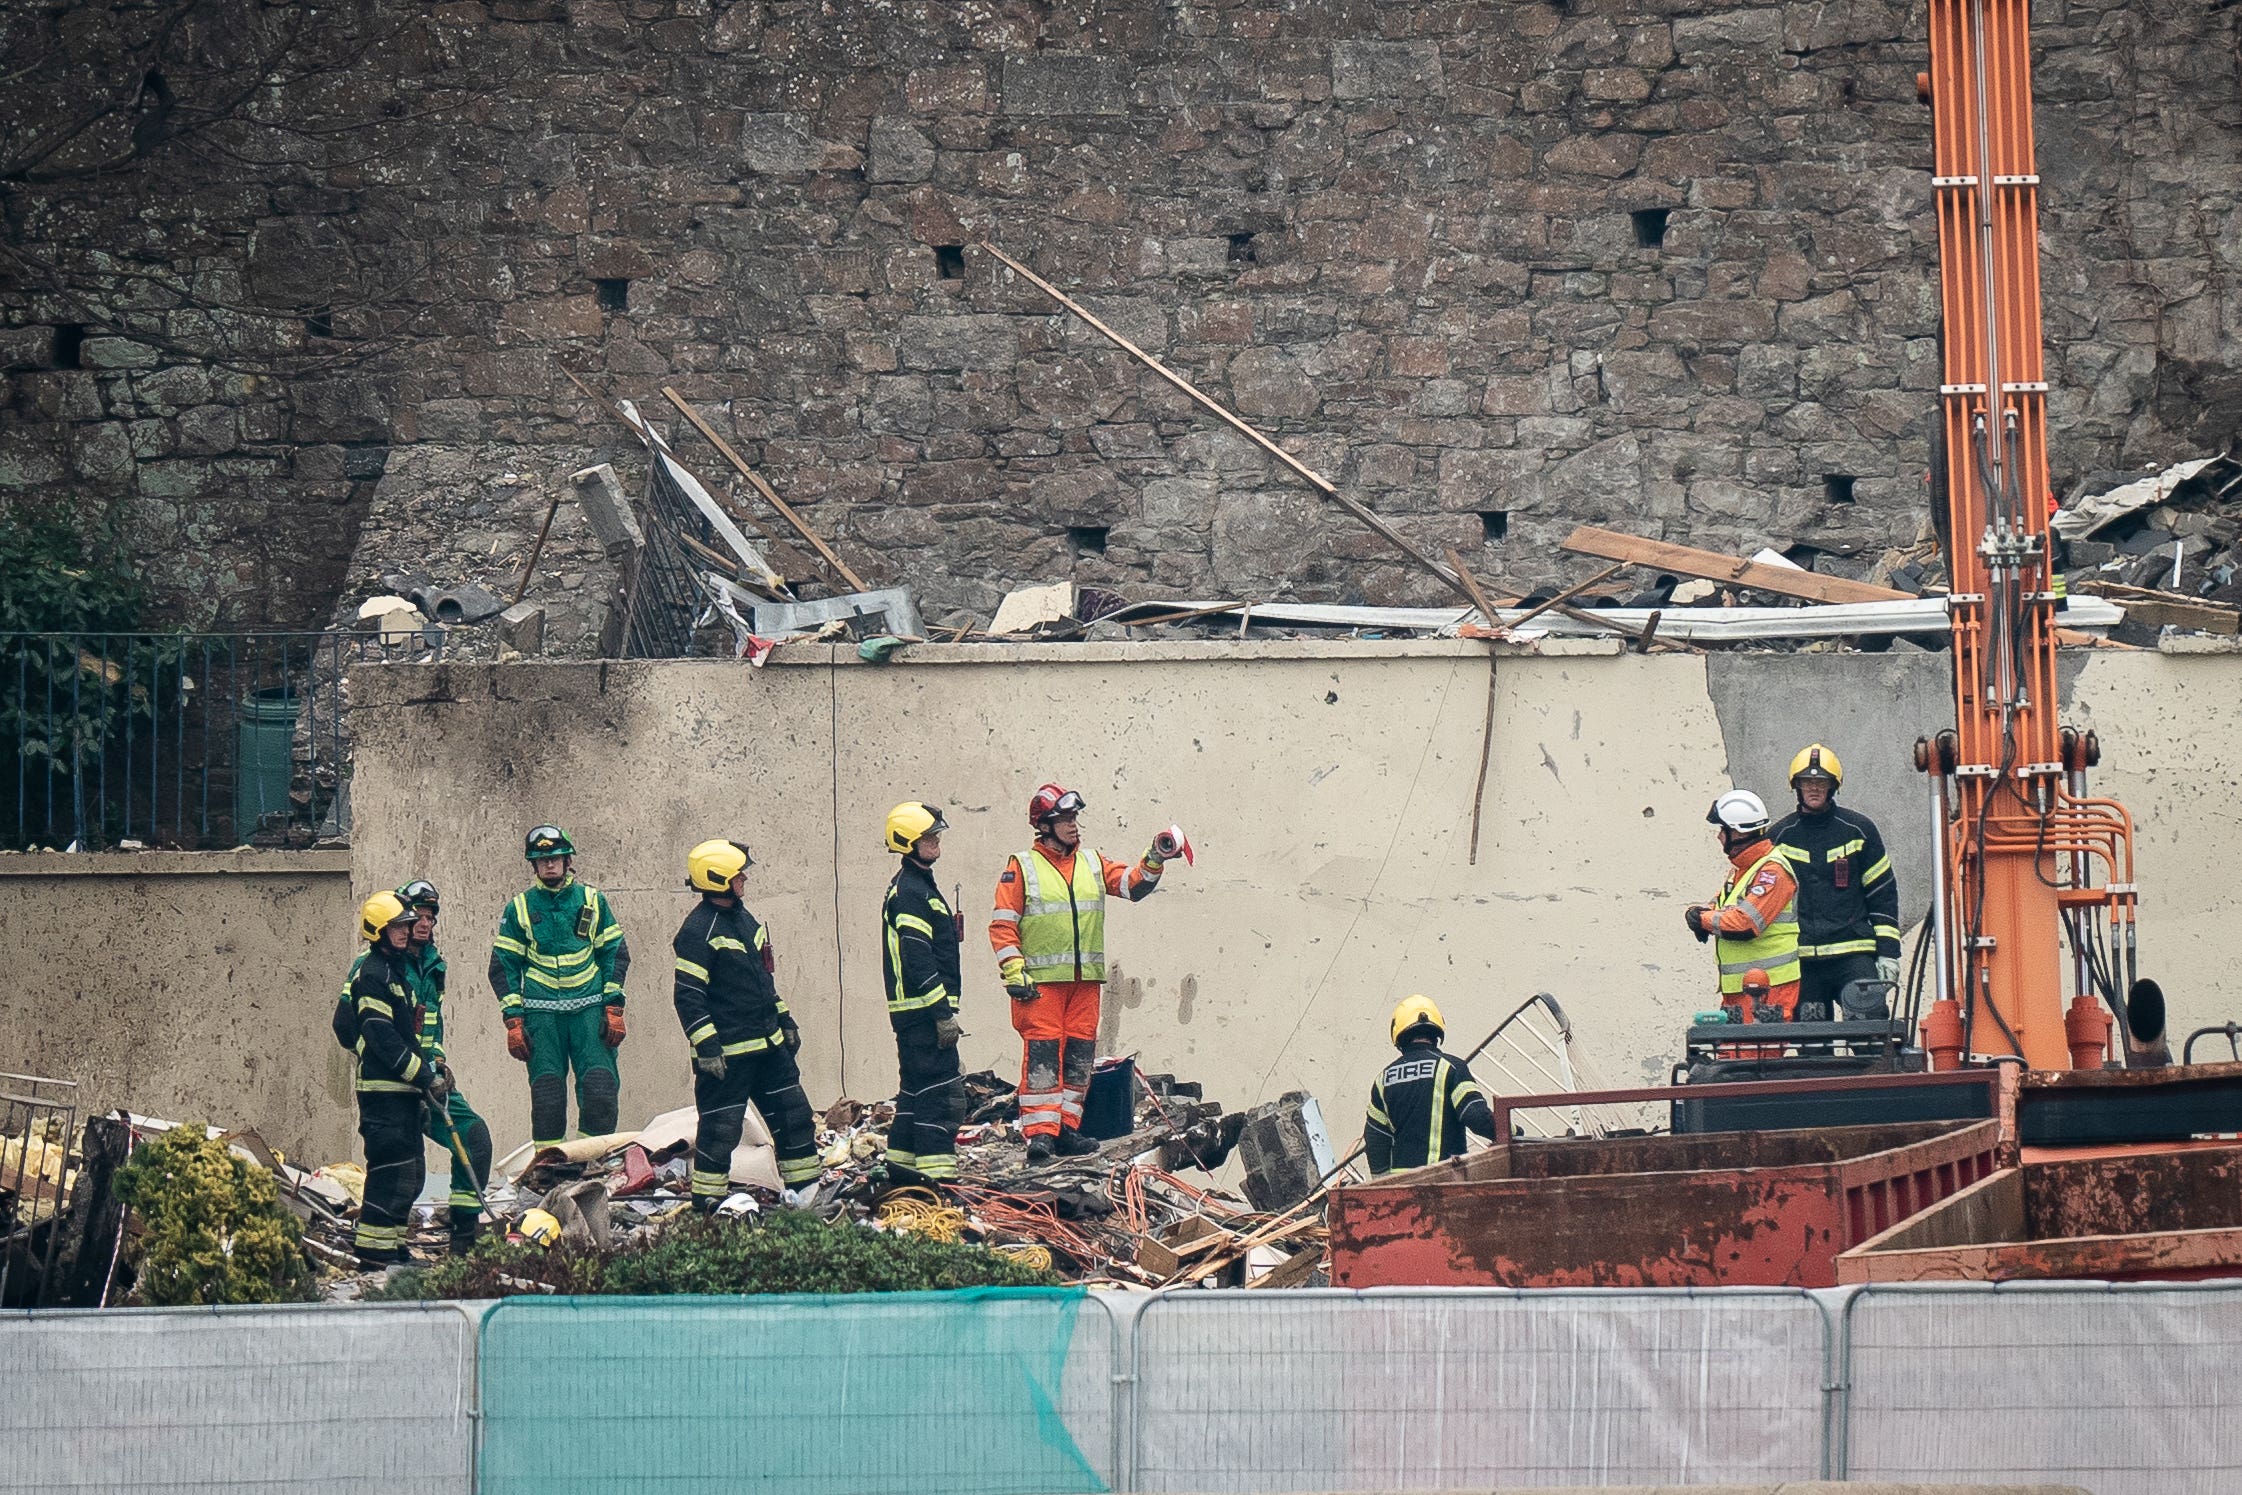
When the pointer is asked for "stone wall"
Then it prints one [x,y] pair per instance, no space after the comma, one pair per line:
[1496,267]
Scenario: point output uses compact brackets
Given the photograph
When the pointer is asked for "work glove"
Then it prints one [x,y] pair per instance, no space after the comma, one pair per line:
[790,1035]
[440,1084]
[1154,859]
[709,1060]
[1887,968]
[517,1039]
[611,1027]
[1694,917]
[1014,974]
[947,1032]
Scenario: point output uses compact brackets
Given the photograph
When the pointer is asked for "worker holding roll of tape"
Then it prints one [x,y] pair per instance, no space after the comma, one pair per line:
[1048,932]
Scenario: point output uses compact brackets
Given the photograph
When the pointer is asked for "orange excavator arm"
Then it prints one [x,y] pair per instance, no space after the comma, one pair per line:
[2025,854]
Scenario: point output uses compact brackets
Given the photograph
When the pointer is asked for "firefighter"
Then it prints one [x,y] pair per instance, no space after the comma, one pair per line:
[426,975]
[395,1082]
[919,938]
[1425,1101]
[1848,899]
[1048,931]
[558,966]
[743,1038]
[1754,922]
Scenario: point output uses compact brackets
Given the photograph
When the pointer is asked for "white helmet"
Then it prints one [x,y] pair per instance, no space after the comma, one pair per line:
[1738,810]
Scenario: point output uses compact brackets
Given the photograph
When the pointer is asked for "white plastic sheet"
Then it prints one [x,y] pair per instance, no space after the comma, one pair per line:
[2122,1390]
[170,1401]
[1403,1390]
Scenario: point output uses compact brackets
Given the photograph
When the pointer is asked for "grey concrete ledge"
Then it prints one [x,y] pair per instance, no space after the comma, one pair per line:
[1196,651]
[174,863]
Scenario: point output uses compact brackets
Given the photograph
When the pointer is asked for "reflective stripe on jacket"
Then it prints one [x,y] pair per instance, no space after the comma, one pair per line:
[559,950]
[1420,1108]
[1756,921]
[1062,923]
[723,991]
[919,934]
[1848,898]
[389,1057]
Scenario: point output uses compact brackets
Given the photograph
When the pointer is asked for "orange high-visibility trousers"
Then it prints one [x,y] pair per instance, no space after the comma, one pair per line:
[1059,1029]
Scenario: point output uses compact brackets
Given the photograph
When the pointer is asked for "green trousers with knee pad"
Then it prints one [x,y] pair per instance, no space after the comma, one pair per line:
[561,1042]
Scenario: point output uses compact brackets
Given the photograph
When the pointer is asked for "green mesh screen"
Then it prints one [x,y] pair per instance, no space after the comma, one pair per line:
[988,1390]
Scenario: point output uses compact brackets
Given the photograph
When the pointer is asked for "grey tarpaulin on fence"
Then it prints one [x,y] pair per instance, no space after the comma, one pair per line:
[166,1401]
[2125,1390]
[1429,1390]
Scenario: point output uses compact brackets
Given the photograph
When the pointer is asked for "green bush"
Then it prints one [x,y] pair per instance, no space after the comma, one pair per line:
[780,1252]
[213,1229]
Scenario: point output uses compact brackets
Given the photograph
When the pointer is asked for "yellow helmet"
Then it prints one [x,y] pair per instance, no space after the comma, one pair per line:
[1415,1012]
[378,913]
[540,1227]
[908,821]
[1816,762]
[712,865]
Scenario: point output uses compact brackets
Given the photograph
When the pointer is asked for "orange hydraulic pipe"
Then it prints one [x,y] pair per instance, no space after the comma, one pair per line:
[2006,922]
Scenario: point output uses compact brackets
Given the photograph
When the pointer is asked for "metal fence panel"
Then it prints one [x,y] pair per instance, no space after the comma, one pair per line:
[2124,1390]
[1422,1390]
[167,1401]
[986,1391]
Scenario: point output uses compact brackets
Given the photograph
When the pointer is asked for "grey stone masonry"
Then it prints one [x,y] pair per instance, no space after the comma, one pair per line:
[1497,267]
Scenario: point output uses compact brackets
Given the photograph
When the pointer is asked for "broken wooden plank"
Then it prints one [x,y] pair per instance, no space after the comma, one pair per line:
[1472,589]
[2167,609]
[1309,475]
[1293,1271]
[770,495]
[1662,555]
[1569,593]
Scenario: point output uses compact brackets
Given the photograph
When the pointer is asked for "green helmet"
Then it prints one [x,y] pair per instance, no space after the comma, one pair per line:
[547,841]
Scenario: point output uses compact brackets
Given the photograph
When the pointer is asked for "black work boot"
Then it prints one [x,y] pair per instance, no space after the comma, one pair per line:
[1039,1149]
[1072,1144]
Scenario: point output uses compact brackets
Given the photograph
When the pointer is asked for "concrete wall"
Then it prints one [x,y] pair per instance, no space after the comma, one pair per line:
[184,985]
[1328,788]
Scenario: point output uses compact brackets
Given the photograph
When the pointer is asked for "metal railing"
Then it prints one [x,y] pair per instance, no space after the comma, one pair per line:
[184,740]
[667,595]
[38,1126]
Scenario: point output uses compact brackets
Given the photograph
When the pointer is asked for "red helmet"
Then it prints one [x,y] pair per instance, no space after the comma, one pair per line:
[1050,802]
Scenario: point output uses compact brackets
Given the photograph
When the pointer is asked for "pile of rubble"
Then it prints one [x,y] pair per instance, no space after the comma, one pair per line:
[2166,548]
[1124,1216]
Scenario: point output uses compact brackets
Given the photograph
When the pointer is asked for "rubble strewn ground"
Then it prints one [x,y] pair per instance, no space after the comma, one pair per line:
[1124,1216]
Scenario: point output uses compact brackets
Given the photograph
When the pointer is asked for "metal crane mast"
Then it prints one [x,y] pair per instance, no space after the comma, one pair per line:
[2025,855]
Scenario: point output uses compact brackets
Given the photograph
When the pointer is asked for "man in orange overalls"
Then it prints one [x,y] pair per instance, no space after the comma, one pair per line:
[1048,932]
[1754,922]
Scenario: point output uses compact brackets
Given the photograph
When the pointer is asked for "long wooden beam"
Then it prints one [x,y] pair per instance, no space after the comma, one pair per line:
[770,496]
[1300,469]
[1660,555]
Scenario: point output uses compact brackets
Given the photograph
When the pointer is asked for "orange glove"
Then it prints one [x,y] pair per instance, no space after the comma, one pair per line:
[517,1039]
[611,1029]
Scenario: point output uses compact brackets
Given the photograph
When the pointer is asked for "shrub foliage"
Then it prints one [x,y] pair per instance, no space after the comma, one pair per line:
[781,1252]
[213,1229]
